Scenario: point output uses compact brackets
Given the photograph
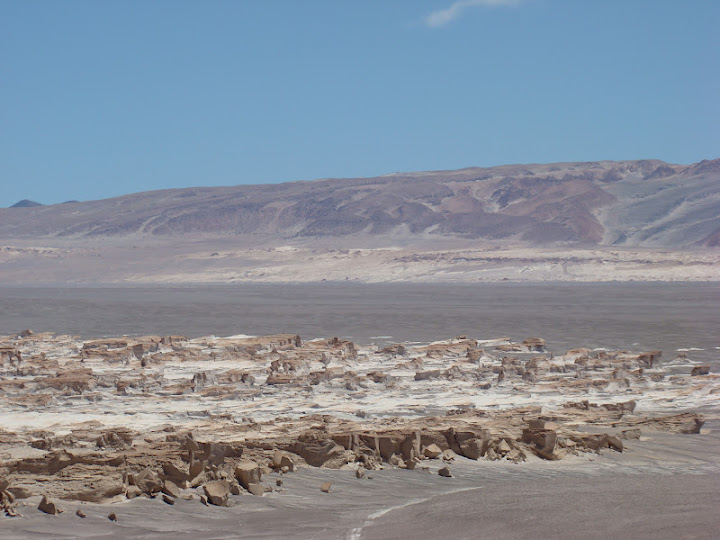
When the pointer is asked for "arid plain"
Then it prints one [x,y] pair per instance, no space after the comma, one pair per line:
[370,358]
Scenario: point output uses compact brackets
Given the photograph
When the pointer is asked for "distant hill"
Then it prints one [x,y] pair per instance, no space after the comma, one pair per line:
[26,203]
[630,203]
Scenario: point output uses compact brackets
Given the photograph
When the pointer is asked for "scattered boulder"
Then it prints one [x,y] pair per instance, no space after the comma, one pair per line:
[473,448]
[516,455]
[432,451]
[281,460]
[49,506]
[247,473]
[6,500]
[171,489]
[132,492]
[148,481]
[445,471]
[503,447]
[615,443]
[700,370]
[325,487]
[256,489]
[543,442]
[217,492]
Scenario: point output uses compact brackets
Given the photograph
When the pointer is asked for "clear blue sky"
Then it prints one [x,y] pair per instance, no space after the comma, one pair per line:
[102,98]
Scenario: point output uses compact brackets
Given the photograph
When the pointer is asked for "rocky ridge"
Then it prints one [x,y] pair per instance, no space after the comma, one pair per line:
[214,418]
[646,203]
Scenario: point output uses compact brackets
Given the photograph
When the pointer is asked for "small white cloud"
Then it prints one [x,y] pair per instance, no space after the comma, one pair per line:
[441,17]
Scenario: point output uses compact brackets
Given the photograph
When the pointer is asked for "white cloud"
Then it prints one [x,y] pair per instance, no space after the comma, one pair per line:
[441,17]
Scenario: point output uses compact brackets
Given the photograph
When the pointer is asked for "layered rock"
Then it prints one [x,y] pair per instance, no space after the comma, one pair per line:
[209,418]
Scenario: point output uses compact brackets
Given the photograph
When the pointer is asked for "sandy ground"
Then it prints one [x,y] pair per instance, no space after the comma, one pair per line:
[136,261]
[650,506]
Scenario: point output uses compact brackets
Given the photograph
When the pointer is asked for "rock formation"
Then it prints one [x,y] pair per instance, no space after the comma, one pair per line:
[209,418]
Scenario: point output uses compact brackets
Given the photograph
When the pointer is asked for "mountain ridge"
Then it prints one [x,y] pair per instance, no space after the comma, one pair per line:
[628,203]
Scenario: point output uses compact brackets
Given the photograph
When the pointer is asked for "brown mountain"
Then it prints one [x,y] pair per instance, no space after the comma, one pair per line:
[633,203]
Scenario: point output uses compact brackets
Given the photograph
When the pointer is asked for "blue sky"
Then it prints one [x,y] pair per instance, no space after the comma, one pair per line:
[102,98]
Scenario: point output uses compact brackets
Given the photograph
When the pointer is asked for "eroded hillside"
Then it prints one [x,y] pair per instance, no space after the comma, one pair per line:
[646,203]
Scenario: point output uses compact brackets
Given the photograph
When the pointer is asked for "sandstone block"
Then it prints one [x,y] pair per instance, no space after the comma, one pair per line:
[178,473]
[282,459]
[432,451]
[615,443]
[171,489]
[247,473]
[410,446]
[473,448]
[516,455]
[132,492]
[502,447]
[217,492]
[48,506]
[148,481]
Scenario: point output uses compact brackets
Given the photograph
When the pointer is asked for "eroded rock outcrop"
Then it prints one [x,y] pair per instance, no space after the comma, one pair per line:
[210,418]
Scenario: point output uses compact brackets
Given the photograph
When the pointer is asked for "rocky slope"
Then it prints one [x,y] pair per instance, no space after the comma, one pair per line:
[629,203]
